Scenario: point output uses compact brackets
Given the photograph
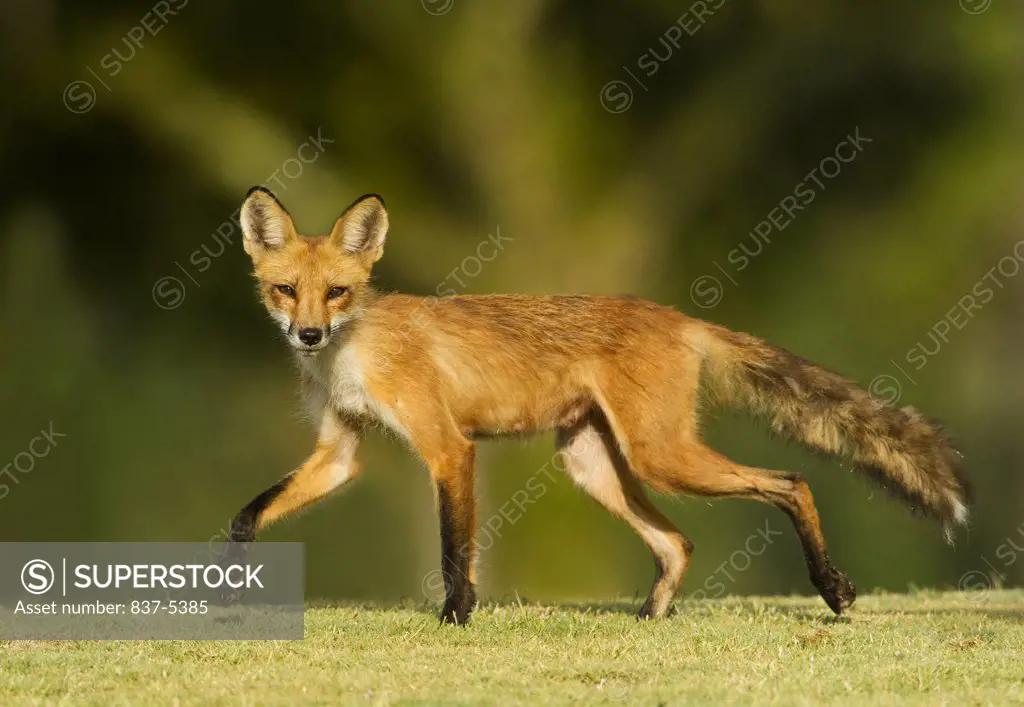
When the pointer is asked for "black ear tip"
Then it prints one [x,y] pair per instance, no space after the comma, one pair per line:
[261,189]
[365,197]
[368,197]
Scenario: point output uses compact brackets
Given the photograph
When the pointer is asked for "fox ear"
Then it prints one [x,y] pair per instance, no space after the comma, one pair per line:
[363,227]
[266,224]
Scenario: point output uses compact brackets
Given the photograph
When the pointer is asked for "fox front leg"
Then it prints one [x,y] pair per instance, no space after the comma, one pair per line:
[331,465]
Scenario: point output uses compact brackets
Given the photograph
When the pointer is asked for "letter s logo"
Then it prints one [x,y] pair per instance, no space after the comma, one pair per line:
[37,576]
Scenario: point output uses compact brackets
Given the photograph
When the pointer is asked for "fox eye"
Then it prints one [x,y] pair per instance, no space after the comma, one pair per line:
[286,290]
[336,292]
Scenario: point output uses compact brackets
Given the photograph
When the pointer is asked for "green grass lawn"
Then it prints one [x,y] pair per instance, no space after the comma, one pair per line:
[925,648]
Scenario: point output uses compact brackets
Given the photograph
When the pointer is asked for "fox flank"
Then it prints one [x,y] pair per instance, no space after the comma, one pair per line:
[618,379]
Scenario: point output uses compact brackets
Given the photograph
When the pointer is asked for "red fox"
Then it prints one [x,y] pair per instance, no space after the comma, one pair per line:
[619,380]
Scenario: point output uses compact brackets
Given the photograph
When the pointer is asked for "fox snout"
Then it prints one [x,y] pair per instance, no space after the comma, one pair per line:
[308,339]
[311,336]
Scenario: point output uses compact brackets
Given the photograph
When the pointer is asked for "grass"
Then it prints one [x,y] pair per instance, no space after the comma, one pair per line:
[923,648]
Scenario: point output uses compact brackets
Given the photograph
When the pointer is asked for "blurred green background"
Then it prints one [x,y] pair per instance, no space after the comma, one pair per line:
[619,155]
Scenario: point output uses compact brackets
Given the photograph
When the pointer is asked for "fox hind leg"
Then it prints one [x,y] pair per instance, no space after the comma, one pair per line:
[592,459]
[697,470]
[662,445]
[790,492]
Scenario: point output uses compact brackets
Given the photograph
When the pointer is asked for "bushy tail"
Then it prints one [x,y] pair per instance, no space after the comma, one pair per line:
[905,452]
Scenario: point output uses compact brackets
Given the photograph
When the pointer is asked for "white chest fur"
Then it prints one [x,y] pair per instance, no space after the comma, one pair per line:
[347,387]
[342,382]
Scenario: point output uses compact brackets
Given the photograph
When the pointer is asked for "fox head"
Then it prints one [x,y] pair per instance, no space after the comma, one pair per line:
[313,286]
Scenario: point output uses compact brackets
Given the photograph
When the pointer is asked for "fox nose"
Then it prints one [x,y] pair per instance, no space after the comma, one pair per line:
[310,336]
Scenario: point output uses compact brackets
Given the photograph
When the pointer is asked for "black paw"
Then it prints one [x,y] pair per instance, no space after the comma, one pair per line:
[648,611]
[836,589]
[458,606]
[231,595]
[234,554]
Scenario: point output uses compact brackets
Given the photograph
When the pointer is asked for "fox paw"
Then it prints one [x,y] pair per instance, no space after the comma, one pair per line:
[458,607]
[651,611]
[232,595]
[837,590]
[234,553]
